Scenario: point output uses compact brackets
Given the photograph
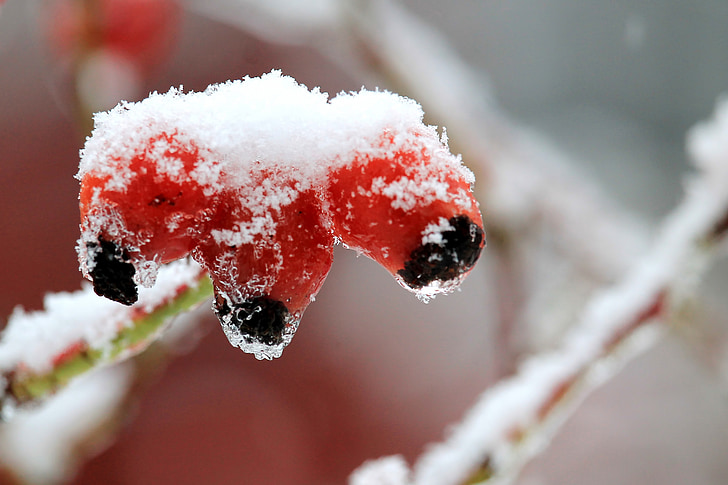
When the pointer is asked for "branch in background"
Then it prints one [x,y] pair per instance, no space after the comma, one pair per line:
[512,421]
[510,301]
[41,352]
[45,445]
[279,21]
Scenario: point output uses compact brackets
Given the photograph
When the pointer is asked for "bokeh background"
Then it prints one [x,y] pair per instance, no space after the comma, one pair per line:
[372,371]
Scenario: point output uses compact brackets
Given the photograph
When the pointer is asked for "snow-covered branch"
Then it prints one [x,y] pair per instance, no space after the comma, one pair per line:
[514,419]
[44,445]
[41,352]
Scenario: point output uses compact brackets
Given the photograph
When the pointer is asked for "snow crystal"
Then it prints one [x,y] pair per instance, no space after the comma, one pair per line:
[406,193]
[244,233]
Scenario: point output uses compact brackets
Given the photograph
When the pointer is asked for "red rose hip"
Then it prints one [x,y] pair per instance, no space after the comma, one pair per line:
[410,209]
[267,266]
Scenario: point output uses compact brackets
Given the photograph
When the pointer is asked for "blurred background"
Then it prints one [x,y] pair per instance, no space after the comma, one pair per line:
[372,371]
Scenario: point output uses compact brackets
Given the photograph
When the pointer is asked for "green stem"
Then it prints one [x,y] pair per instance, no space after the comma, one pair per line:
[26,388]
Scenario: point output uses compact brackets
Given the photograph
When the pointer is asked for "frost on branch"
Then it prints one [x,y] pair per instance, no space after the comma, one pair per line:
[391,470]
[513,420]
[256,179]
[44,444]
[40,352]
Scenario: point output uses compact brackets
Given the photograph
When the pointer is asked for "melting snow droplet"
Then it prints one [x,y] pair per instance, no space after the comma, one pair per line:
[260,325]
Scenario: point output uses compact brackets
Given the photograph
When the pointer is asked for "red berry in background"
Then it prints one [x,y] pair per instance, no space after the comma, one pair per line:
[141,31]
[106,48]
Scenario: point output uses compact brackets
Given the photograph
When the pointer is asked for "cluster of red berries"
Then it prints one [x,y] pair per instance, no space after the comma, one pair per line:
[266,233]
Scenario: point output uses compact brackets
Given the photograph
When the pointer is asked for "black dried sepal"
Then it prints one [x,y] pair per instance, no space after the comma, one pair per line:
[261,318]
[446,260]
[112,273]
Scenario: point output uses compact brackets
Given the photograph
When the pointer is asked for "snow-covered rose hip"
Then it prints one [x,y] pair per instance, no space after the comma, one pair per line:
[410,208]
[153,217]
[268,253]
[264,241]
[255,180]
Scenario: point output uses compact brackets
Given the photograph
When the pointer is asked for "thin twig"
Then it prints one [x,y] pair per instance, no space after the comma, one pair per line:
[38,356]
[510,300]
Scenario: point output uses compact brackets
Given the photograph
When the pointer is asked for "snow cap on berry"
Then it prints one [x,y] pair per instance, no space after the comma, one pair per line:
[271,121]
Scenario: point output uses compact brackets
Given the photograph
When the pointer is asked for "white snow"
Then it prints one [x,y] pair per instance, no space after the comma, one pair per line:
[433,232]
[40,444]
[407,193]
[270,122]
[33,339]
[391,470]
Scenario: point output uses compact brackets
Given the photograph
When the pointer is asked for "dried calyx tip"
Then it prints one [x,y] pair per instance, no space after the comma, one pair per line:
[260,319]
[454,254]
[111,271]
